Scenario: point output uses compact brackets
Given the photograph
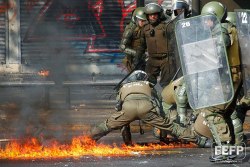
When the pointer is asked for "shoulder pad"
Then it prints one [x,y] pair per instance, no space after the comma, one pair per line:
[146,27]
[128,32]
[161,25]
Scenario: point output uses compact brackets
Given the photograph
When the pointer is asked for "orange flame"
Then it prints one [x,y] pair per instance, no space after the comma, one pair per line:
[79,146]
[44,73]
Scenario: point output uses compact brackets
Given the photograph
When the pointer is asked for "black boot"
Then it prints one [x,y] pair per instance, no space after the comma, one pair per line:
[163,136]
[230,157]
[126,135]
[218,158]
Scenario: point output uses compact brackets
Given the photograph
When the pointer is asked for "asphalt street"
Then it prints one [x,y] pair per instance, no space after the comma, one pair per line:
[89,108]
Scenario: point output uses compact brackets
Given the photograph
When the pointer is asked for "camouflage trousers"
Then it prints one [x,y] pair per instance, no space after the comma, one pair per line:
[211,125]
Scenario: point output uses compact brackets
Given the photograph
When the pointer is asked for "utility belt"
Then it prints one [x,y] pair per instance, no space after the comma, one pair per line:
[158,56]
[137,97]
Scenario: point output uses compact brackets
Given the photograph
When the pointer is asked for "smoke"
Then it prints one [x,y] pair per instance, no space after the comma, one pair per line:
[51,42]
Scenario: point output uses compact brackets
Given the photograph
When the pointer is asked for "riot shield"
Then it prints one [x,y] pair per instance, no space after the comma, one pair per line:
[204,61]
[243,30]
[171,41]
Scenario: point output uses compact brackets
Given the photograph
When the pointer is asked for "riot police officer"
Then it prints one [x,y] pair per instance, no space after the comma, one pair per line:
[181,6]
[235,64]
[174,94]
[139,101]
[176,97]
[154,33]
[134,48]
[217,118]
[131,43]
[181,10]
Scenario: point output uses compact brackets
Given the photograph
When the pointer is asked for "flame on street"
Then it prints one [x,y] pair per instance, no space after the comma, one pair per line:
[79,146]
[44,73]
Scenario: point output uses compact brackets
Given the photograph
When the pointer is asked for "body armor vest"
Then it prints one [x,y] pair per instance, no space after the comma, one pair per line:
[156,39]
[141,87]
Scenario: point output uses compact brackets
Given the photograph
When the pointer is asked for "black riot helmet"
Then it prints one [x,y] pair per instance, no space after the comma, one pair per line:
[137,75]
[180,4]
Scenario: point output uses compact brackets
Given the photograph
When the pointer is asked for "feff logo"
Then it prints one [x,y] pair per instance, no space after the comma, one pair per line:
[229,150]
[226,150]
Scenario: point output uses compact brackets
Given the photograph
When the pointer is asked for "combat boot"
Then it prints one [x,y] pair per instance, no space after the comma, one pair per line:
[99,131]
[126,135]
[228,158]
[204,142]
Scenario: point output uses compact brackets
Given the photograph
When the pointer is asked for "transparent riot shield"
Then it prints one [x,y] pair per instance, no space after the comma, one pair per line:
[204,61]
[243,30]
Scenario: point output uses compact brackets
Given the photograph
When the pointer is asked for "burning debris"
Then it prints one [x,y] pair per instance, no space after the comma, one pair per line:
[79,146]
[44,73]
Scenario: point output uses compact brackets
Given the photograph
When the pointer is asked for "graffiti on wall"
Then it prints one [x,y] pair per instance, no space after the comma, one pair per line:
[83,28]
[93,22]
[98,24]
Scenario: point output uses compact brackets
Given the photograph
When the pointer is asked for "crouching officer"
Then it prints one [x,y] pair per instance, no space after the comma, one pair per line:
[139,101]
[134,49]
[214,100]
